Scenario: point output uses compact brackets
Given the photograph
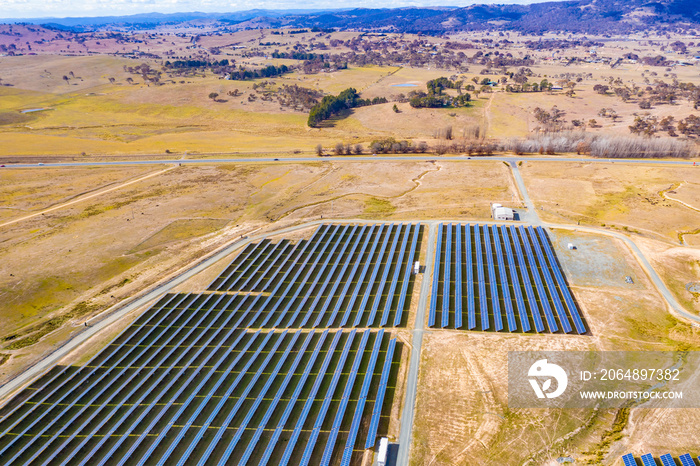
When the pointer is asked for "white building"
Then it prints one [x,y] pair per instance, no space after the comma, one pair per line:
[498,212]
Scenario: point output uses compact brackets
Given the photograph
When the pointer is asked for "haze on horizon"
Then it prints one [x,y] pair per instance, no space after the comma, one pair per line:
[20,9]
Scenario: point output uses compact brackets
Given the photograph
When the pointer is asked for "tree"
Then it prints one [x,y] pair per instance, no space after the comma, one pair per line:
[396,109]
[601,89]
[319,150]
[111,80]
[66,78]
[358,149]
[339,149]
[213,95]
[690,126]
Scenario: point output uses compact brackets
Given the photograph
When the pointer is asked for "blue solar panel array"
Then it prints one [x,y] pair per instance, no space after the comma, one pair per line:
[219,377]
[495,272]
[666,460]
[345,275]
[185,385]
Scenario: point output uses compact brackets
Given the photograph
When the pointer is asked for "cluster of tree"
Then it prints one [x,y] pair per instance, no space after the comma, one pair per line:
[649,125]
[560,44]
[297,55]
[435,97]
[297,97]
[332,105]
[551,120]
[318,65]
[178,64]
[269,71]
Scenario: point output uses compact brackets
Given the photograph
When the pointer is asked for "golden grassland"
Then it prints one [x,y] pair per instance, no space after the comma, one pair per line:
[618,195]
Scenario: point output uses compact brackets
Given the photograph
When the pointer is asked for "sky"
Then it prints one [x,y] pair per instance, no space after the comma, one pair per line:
[66,8]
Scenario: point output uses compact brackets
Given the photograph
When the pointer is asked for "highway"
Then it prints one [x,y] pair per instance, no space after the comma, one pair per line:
[354,158]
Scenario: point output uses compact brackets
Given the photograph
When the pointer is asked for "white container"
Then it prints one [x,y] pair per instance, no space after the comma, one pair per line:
[383,448]
[416,268]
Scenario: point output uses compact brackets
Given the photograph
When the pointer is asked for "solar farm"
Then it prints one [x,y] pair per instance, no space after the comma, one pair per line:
[292,354]
[500,278]
[241,373]
[666,460]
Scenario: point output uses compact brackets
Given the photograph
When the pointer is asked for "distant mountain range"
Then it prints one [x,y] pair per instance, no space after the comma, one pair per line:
[580,16]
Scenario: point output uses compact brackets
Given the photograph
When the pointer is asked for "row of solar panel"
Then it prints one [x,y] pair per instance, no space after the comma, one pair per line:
[472,272]
[345,275]
[206,393]
[666,460]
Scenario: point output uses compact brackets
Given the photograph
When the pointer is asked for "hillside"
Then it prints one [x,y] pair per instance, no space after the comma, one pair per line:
[578,16]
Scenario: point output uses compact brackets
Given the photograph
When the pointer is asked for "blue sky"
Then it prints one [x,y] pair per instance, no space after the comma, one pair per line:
[64,8]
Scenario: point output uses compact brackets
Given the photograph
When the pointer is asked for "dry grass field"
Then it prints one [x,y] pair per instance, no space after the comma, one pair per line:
[621,196]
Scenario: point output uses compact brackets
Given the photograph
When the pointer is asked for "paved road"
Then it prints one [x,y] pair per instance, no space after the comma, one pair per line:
[360,158]
[416,343]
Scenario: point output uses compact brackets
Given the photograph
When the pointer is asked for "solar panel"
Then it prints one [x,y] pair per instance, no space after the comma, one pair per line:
[156,383]
[250,266]
[310,267]
[236,260]
[379,400]
[317,273]
[361,279]
[505,291]
[407,275]
[310,398]
[88,394]
[260,396]
[174,417]
[629,460]
[119,396]
[458,276]
[483,305]
[446,278]
[288,409]
[544,302]
[686,459]
[531,300]
[40,396]
[313,438]
[436,279]
[648,460]
[395,278]
[328,275]
[471,309]
[493,284]
[337,282]
[360,407]
[573,309]
[387,263]
[667,460]
[515,280]
[551,287]
[160,399]
[361,259]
